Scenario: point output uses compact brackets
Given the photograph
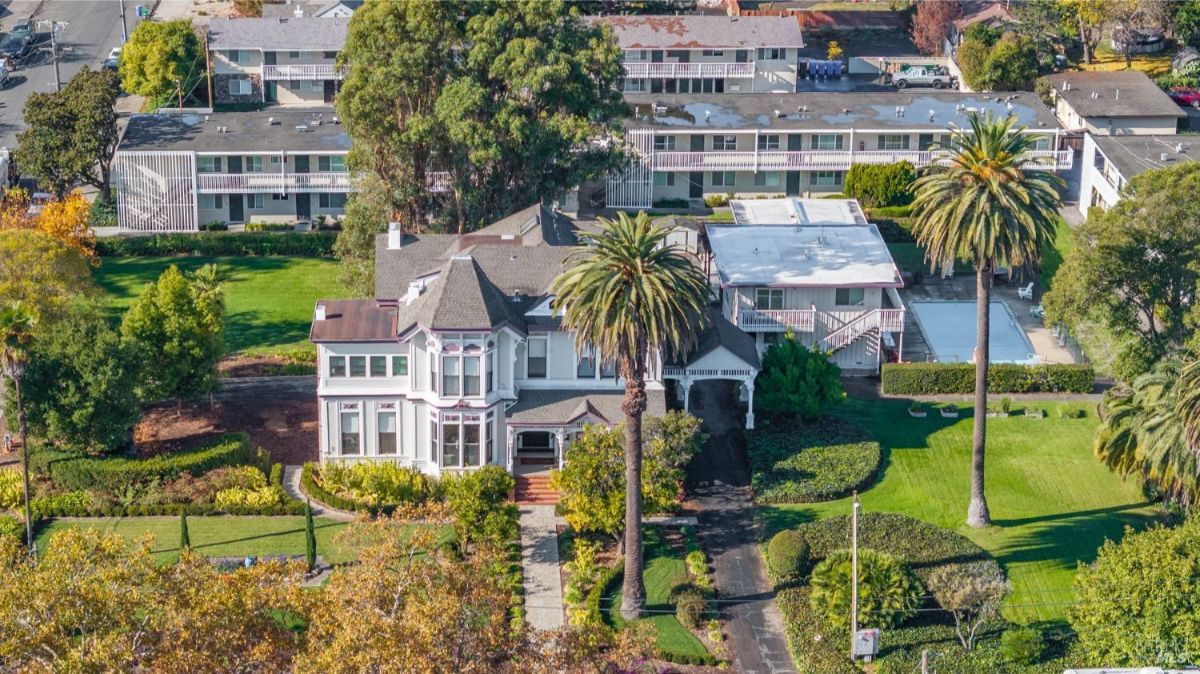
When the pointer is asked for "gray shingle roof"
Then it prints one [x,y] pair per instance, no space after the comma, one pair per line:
[308,33]
[1119,93]
[560,408]
[248,132]
[1134,154]
[460,298]
[694,31]
[721,333]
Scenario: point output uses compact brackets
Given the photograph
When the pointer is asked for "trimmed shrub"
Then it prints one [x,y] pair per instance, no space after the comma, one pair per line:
[12,489]
[888,591]
[60,504]
[236,498]
[373,484]
[815,648]
[937,378]
[605,581]
[11,527]
[298,244]
[894,230]
[671,203]
[717,200]
[116,474]
[788,554]
[1022,645]
[690,606]
[270,227]
[880,185]
[479,502]
[813,462]
[312,487]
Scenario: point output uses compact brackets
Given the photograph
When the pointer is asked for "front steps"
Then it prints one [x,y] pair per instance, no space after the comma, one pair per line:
[535,489]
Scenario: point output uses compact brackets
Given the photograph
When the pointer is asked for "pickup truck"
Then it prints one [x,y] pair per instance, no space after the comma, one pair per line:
[938,77]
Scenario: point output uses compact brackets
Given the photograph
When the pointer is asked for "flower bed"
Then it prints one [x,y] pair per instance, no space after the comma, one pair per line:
[820,461]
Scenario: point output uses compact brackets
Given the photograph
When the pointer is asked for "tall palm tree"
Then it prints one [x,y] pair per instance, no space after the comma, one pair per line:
[16,332]
[632,298]
[979,203]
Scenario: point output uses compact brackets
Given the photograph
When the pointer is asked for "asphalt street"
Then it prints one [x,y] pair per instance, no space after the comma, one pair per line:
[95,28]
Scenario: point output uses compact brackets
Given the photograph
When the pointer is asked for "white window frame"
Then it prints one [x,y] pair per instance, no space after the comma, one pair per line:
[770,53]
[210,201]
[208,164]
[894,141]
[724,143]
[394,410]
[768,299]
[827,141]
[664,179]
[849,300]
[255,202]
[664,143]
[545,356]
[768,142]
[253,164]
[355,410]
[236,88]
[724,179]
[827,178]
[766,179]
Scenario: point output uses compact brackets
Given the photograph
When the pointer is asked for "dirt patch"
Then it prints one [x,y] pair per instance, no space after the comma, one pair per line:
[286,428]
[264,366]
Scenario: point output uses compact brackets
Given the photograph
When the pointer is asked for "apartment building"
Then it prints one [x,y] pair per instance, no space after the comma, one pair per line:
[756,145]
[177,172]
[1114,103]
[707,53]
[1109,162]
[286,60]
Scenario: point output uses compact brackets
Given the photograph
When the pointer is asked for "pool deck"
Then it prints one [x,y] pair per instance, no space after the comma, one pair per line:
[962,288]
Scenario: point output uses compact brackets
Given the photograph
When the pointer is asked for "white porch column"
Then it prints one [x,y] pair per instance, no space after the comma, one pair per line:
[750,404]
[560,438]
[686,383]
[508,454]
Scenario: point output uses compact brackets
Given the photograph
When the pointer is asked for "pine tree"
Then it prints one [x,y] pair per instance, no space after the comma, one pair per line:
[185,541]
[310,537]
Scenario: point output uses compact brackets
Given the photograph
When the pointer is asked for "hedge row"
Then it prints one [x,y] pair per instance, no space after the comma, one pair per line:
[115,474]
[595,596]
[54,510]
[308,482]
[298,244]
[934,378]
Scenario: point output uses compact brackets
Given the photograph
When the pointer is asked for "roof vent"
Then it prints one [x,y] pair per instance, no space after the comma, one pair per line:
[316,122]
[801,108]
[319,314]
[778,112]
[1162,157]
[931,115]
[336,120]
[1117,95]
[707,114]
[283,19]
[206,118]
[271,121]
[1179,148]
[302,128]
[298,12]
[395,240]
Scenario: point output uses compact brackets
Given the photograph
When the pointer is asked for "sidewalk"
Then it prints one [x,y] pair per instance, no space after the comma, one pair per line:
[291,485]
[539,568]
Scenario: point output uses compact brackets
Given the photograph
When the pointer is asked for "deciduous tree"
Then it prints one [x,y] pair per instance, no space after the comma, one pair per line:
[367,214]
[161,59]
[41,271]
[1087,18]
[972,593]
[66,219]
[931,24]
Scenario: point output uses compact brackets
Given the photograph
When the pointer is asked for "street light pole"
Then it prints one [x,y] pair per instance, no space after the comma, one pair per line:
[55,26]
[124,29]
[854,575]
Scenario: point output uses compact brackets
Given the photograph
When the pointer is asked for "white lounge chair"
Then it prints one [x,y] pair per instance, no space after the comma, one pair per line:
[1026,293]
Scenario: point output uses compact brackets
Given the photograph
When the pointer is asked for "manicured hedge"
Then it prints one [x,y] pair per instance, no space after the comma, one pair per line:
[114,474]
[817,461]
[298,244]
[57,508]
[934,378]
[814,649]
[894,229]
[604,584]
[881,185]
[308,482]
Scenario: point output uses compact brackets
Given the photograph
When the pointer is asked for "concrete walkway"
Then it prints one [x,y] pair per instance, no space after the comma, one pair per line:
[729,533]
[291,485]
[539,568]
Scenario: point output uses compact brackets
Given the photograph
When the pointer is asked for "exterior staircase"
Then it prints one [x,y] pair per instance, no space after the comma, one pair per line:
[535,489]
[871,322]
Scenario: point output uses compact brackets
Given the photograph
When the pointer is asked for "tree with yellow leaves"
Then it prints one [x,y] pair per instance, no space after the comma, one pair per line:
[67,220]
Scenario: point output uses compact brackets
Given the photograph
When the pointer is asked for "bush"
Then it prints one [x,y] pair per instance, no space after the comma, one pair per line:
[311,485]
[877,185]
[690,606]
[116,474]
[894,230]
[269,227]
[12,489]
[375,484]
[717,200]
[605,582]
[788,554]
[813,462]
[671,203]
[215,226]
[298,244]
[479,502]
[815,648]
[888,591]
[796,381]
[11,527]
[63,504]
[938,378]
[103,215]
[236,498]
[1022,645]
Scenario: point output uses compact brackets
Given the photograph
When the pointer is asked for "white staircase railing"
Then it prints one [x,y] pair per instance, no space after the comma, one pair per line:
[885,320]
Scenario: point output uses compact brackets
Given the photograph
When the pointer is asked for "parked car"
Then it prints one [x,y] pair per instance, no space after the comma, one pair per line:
[1185,95]
[25,28]
[114,58]
[15,46]
[938,77]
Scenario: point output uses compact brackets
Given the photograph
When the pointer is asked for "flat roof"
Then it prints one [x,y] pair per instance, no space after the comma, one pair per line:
[841,111]
[839,256]
[797,211]
[278,33]
[266,131]
[1117,93]
[1135,154]
[695,31]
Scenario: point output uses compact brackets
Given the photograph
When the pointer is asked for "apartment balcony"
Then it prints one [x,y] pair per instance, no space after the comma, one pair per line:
[818,160]
[303,71]
[796,320]
[671,71]
[275,183]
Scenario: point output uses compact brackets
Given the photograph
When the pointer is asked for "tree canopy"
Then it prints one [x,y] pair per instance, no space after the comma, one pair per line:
[931,24]
[37,269]
[796,381]
[162,58]
[504,97]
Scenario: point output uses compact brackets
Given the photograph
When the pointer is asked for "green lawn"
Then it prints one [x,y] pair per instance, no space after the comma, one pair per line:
[226,536]
[269,300]
[664,570]
[1052,502]
[1053,256]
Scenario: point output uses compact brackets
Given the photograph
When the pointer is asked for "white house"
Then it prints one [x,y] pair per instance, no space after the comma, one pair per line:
[1113,103]
[707,53]
[1109,162]
[286,60]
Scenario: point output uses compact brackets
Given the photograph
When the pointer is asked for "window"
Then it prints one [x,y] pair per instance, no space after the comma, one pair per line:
[635,54]
[723,179]
[329,54]
[399,366]
[585,366]
[536,360]
[470,433]
[254,201]
[849,297]
[766,179]
[827,178]
[769,141]
[350,433]
[664,143]
[712,52]
[471,375]
[724,142]
[636,86]
[770,54]
[924,141]
[293,54]
[450,381]
[1041,143]
[240,55]
[378,366]
[211,201]
[387,432]
[664,179]
[768,299]
[358,366]
[827,141]
[893,141]
[490,375]
[326,200]
[208,164]
[279,197]
[254,165]
[337,366]
[433,371]
[306,86]
[772,338]
[451,447]
[334,163]
[240,87]
[489,432]
[608,370]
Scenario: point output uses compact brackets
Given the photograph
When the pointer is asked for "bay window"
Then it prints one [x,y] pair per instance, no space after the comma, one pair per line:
[387,432]
[471,375]
[351,427]
[358,366]
[491,372]
[399,366]
[337,366]
[450,383]
[378,366]
[451,447]
[470,434]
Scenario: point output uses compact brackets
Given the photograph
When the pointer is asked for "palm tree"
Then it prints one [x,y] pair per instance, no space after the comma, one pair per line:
[631,298]
[979,203]
[16,332]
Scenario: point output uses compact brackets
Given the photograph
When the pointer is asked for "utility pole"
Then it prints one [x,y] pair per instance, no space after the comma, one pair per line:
[854,575]
[207,65]
[55,26]
[124,28]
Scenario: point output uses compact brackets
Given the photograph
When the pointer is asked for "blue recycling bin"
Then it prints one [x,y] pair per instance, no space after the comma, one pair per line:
[143,12]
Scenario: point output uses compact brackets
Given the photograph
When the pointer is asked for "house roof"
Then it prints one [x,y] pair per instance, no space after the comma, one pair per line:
[796,211]
[692,31]
[835,111]
[720,333]
[1134,154]
[564,407]
[460,298]
[805,256]
[1118,93]
[267,132]
[354,321]
[316,8]
[278,33]
[989,11]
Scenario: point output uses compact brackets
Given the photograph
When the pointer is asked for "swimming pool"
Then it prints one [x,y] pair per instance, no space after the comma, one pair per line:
[949,329]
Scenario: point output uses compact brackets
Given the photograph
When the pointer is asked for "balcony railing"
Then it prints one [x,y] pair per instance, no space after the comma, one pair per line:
[638,70]
[798,320]
[303,71]
[223,183]
[818,160]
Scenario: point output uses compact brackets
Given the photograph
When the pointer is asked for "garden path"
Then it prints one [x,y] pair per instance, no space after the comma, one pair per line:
[729,533]
[539,567]
[291,485]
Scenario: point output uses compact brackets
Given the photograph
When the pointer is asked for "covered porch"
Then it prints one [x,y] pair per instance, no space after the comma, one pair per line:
[722,352]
